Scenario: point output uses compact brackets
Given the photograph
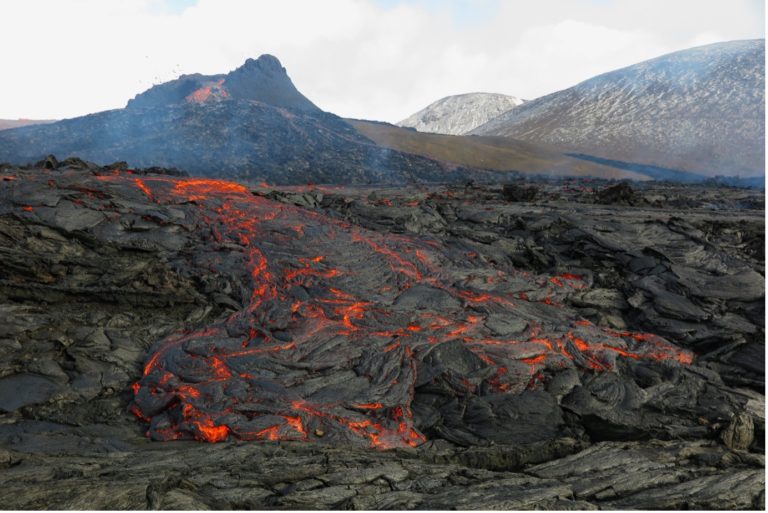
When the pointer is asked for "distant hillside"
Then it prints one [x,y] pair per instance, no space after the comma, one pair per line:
[457,115]
[15,123]
[496,153]
[699,110]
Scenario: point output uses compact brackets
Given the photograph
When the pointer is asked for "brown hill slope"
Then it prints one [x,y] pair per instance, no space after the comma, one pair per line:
[496,153]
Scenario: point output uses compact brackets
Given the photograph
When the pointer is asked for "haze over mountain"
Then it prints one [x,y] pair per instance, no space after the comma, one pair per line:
[699,110]
[250,123]
[457,115]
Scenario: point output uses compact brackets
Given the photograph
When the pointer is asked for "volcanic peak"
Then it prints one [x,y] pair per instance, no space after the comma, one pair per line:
[266,63]
[264,80]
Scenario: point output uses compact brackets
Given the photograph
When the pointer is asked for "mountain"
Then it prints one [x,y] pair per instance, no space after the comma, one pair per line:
[15,123]
[699,110]
[251,123]
[262,80]
[457,115]
[485,152]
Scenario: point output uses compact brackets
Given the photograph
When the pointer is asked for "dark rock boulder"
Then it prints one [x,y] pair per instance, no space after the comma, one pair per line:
[514,192]
[619,194]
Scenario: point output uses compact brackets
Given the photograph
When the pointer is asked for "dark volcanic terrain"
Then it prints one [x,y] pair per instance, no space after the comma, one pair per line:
[250,123]
[555,345]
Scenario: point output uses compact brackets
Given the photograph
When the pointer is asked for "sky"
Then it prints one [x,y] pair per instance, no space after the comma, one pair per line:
[371,59]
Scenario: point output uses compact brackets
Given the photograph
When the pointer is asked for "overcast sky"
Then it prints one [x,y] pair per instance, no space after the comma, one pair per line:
[374,59]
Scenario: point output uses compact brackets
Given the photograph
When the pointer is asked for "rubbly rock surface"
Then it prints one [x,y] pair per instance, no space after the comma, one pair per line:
[506,354]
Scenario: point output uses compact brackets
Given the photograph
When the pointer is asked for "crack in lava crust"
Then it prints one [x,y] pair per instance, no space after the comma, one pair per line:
[335,323]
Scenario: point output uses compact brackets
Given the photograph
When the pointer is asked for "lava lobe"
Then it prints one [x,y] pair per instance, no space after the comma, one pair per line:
[336,327]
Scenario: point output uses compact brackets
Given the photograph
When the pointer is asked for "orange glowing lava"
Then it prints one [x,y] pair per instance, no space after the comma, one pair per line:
[205,93]
[301,293]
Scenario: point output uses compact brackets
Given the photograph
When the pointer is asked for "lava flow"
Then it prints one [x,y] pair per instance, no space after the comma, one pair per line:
[205,93]
[330,326]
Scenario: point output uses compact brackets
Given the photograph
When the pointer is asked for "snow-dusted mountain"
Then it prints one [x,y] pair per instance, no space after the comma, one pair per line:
[457,115]
[699,110]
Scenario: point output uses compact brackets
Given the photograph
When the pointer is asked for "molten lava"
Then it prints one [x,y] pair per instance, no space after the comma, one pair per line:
[207,92]
[319,349]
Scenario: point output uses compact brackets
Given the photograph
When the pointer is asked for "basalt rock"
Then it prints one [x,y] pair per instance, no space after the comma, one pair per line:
[739,433]
[514,192]
[48,162]
[619,194]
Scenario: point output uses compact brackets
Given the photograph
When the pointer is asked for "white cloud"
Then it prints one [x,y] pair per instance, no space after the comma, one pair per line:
[357,58]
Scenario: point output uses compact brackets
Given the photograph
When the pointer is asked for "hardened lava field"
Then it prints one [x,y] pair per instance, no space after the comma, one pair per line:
[456,324]
[336,326]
